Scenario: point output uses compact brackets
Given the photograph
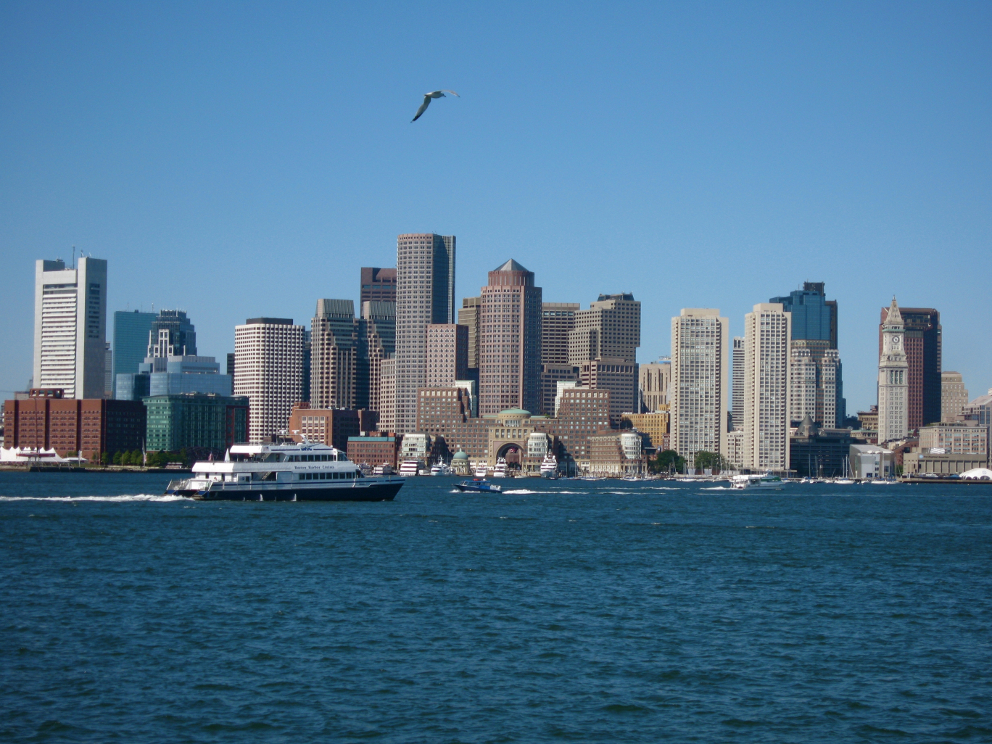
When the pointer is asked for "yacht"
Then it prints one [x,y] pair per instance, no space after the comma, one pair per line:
[284,472]
[549,467]
[768,480]
[481,471]
[500,470]
[410,468]
[441,468]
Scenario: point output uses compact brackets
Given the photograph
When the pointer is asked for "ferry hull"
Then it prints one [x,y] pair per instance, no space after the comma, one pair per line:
[385,491]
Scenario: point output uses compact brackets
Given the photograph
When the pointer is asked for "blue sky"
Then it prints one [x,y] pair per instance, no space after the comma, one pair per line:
[246,159]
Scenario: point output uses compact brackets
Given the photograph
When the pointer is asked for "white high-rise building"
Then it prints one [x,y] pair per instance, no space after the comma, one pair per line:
[70,327]
[893,379]
[268,368]
[767,335]
[699,382]
[425,294]
[802,385]
[737,392]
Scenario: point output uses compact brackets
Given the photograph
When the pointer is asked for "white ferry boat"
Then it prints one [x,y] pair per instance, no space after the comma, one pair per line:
[768,480]
[549,467]
[284,472]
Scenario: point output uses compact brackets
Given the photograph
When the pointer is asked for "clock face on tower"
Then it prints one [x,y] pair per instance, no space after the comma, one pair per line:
[895,340]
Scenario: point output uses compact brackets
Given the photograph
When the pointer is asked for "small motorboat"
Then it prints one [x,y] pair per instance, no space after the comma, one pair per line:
[480,485]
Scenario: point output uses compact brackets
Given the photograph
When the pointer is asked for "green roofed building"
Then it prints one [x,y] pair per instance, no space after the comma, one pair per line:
[195,420]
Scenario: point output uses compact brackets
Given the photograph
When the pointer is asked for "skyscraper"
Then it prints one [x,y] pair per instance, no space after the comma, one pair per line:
[654,380]
[377,343]
[171,334]
[953,396]
[378,285]
[767,334]
[70,327]
[737,392]
[699,382]
[447,354]
[814,329]
[131,331]
[922,345]
[268,369]
[468,316]
[893,389]
[333,355]
[425,294]
[510,348]
[557,321]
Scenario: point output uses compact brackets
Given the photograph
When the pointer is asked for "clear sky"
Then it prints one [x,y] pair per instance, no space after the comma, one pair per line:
[245,159]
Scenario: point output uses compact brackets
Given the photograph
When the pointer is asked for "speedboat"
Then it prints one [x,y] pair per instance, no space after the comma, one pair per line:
[480,485]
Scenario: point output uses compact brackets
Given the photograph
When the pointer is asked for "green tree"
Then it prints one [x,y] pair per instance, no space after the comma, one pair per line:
[117,458]
[709,460]
[105,458]
[667,461]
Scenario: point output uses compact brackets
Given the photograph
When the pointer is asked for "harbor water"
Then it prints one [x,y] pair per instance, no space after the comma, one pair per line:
[555,611]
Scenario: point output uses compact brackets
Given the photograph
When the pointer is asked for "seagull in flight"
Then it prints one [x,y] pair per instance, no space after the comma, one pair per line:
[427,101]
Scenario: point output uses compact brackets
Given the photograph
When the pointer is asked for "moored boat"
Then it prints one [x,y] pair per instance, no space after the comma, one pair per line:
[768,480]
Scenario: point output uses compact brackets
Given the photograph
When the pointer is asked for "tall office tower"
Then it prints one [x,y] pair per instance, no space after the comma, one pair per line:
[953,396]
[767,336]
[557,321]
[814,327]
[307,360]
[387,396]
[70,327]
[699,382]
[131,330]
[268,369]
[802,385]
[922,345]
[230,364]
[737,391]
[171,334]
[510,348]
[893,377]
[377,342]
[447,354]
[378,285]
[468,315]
[619,376]
[333,355]
[654,379]
[425,294]
[611,327]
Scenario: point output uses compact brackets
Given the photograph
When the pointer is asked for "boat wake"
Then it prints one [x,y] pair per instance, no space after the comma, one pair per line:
[126,498]
[521,491]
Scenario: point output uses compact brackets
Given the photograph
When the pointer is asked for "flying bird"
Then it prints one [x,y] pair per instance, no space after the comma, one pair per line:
[427,101]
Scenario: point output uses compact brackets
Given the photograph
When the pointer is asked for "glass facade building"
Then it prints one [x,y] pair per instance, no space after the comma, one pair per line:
[131,331]
[210,422]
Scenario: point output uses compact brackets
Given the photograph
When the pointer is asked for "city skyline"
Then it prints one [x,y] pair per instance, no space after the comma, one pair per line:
[211,165]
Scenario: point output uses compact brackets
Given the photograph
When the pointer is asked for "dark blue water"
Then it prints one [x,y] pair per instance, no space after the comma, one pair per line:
[558,611]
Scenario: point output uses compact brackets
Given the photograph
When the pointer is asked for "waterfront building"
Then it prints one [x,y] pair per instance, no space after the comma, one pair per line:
[374,449]
[953,396]
[734,453]
[46,419]
[615,454]
[510,351]
[814,330]
[922,347]
[868,461]
[131,329]
[816,452]
[699,382]
[70,327]
[560,387]
[445,413]
[329,426]
[737,390]
[378,285]
[334,350]
[617,375]
[893,391]
[654,379]
[268,369]
[980,411]
[425,294]
[447,354]
[582,413]
[171,334]
[767,337]
[653,425]
[206,422]
[961,438]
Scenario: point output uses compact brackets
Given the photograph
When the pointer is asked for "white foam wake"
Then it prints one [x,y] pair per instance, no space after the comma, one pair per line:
[113,499]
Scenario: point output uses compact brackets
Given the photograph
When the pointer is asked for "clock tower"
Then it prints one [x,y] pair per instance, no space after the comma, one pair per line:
[893,386]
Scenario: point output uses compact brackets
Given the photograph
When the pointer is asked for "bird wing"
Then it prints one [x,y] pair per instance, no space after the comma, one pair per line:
[423,108]
[452,93]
